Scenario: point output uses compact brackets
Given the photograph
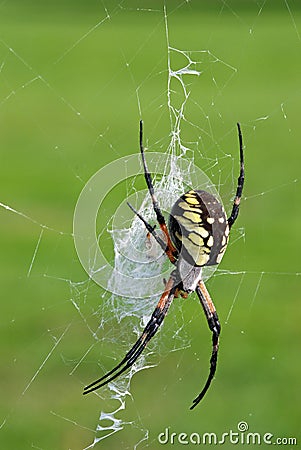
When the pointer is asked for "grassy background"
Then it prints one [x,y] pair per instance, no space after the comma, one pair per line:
[68,105]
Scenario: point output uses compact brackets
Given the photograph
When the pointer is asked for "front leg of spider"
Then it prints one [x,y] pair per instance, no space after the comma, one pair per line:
[170,249]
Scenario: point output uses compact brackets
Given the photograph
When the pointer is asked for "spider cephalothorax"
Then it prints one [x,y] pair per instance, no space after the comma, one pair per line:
[196,236]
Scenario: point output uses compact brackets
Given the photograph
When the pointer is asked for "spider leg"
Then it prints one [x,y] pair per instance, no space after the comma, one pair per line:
[240,182]
[148,332]
[170,250]
[215,327]
[152,230]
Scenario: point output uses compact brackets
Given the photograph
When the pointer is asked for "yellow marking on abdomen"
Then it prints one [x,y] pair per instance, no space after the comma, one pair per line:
[194,217]
[219,256]
[196,239]
[191,226]
[199,254]
[191,193]
[191,200]
[210,241]
[202,259]
[187,207]
[201,231]
[178,235]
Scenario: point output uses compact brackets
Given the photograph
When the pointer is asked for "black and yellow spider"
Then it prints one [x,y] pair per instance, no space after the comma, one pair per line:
[197,236]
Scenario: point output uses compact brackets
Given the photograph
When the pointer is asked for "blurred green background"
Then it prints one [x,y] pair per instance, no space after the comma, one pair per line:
[72,78]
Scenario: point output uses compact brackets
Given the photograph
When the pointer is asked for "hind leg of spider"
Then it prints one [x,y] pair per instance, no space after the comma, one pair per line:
[170,250]
[148,332]
[240,182]
[215,327]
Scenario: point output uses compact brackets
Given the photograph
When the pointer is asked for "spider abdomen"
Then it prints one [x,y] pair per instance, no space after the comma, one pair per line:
[199,228]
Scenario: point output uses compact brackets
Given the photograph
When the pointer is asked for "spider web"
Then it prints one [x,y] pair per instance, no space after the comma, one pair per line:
[87,319]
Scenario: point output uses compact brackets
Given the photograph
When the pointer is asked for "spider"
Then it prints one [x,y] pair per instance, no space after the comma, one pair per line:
[196,236]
